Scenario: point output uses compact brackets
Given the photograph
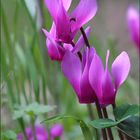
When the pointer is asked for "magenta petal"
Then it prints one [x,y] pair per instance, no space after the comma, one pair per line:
[53,30]
[107,86]
[56,130]
[120,69]
[133,25]
[71,68]
[66,4]
[41,133]
[85,11]
[63,25]
[80,43]
[96,73]
[87,93]
[20,136]
[68,47]
[51,6]
[54,50]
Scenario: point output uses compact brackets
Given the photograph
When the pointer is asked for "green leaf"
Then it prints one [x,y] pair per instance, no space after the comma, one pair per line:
[131,127]
[103,123]
[9,134]
[86,131]
[54,118]
[125,111]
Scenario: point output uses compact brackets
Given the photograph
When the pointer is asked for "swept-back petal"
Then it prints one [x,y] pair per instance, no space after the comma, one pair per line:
[120,69]
[87,93]
[96,73]
[107,86]
[63,25]
[71,68]
[85,11]
[66,4]
[52,8]
[53,30]
[133,25]
[80,43]
[54,50]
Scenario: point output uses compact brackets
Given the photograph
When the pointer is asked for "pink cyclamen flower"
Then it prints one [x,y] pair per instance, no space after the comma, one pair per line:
[40,132]
[56,131]
[77,71]
[105,84]
[56,50]
[67,24]
[133,21]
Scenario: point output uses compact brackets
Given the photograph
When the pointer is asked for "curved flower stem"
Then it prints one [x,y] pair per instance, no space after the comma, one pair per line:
[79,54]
[119,132]
[108,129]
[101,116]
[85,37]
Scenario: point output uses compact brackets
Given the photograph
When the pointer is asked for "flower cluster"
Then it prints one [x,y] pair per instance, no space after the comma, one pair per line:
[82,67]
[40,133]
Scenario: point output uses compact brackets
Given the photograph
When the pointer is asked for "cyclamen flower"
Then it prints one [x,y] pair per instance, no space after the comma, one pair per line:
[67,24]
[56,131]
[56,50]
[133,20]
[40,132]
[105,84]
[77,74]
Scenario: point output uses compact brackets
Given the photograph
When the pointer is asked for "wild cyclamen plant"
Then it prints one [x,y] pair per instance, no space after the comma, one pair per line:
[82,67]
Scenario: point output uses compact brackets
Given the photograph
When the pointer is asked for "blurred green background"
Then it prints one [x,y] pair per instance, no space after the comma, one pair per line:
[28,74]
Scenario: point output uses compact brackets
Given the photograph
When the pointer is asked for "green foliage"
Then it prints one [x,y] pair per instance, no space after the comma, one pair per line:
[85,129]
[9,135]
[30,79]
[103,123]
[121,113]
[124,111]
[131,127]
[32,110]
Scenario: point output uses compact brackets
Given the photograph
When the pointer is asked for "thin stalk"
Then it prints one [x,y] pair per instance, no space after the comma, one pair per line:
[101,116]
[79,54]
[29,15]
[109,131]
[85,37]
[119,132]
[40,3]
[90,112]
[89,108]
[33,127]
[24,94]
[22,125]
[44,90]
